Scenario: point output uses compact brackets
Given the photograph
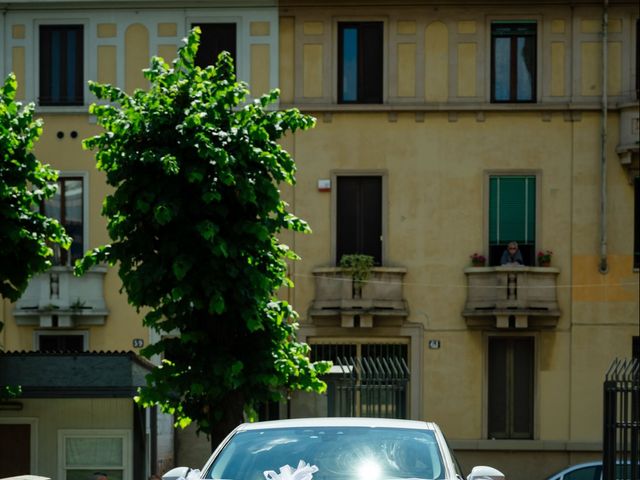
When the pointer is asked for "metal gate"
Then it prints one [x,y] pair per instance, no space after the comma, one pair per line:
[621,443]
[369,387]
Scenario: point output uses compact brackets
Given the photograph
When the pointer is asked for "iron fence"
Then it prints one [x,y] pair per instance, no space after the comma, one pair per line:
[369,387]
[621,442]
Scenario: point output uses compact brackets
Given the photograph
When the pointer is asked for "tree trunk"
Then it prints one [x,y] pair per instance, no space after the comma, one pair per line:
[233,415]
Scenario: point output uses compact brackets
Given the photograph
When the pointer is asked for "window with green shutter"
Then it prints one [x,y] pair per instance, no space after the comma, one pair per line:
[512,215]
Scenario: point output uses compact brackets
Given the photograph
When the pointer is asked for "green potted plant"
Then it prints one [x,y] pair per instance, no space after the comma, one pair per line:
[544,258]
[359,267]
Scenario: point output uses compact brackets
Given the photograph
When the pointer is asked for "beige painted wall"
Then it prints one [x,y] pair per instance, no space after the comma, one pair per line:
[436,217]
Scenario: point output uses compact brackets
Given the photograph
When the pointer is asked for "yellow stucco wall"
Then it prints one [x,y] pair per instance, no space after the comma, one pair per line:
[436,216]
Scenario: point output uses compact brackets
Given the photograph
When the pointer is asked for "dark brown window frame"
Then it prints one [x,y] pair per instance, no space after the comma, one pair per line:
[355,237]
[366,68]
[46,96]
[513,81]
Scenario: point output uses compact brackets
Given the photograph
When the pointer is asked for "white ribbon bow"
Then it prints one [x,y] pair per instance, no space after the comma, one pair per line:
[303,472]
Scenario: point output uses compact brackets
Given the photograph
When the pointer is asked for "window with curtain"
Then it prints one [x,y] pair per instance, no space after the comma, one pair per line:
[513,61]
[512,215]
[61,65]
[67,207]
[360,60]
[511,392]
[86,454]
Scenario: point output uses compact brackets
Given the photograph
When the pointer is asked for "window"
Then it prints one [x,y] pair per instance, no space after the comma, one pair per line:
[61,65]
[512,215]
[66,206]
[513,61]
[214,39]
[367,379]
[636,214]
[86,452]
[359,217]
[510,400]
[360,48]
[586,473]
[61,342]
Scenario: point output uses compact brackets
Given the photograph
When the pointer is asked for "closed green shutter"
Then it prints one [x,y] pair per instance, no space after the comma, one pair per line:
[512,209]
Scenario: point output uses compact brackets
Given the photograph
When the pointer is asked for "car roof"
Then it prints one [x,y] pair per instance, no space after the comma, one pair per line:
[339,422]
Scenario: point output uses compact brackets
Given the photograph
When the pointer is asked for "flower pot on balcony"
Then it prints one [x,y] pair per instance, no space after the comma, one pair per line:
[544,258]
[478,260]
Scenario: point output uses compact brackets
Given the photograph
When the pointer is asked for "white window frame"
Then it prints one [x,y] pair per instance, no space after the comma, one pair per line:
[125,435]
[33,436]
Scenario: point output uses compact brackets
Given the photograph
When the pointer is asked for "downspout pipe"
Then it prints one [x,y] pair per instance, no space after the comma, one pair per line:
[604,265]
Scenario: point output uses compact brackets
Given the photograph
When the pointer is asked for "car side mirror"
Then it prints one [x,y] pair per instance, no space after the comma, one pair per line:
[485,473]
[176,473]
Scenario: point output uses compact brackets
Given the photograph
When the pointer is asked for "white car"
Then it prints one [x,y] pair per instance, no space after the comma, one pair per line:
[334,449]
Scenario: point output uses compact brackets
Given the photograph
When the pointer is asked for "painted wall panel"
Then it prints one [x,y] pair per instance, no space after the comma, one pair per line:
[312,74]
[18,67]
[260,69]
[136,57]
[406,69]
[557,69]
[287,64]
[467,57]
[436,47]
[107,64]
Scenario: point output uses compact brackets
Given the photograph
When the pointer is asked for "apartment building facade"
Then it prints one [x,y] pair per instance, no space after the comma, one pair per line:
[452,128]
[443,130]
[71,343]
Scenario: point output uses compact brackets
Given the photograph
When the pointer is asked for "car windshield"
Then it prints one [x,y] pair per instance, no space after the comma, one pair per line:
[330,453]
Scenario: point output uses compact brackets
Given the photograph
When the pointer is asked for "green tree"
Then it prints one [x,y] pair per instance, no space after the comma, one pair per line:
[193,221]
[26,236]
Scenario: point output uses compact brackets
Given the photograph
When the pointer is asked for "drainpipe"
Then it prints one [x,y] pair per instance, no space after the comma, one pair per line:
[604,266]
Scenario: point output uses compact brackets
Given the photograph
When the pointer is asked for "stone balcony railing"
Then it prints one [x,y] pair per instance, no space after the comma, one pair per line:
[511,297]
[57,298]
[380,296]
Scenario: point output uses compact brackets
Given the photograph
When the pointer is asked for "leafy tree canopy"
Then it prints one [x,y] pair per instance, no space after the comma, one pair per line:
[193,220]
[26,236]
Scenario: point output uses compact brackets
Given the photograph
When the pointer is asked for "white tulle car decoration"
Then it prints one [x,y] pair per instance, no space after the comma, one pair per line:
[334,449]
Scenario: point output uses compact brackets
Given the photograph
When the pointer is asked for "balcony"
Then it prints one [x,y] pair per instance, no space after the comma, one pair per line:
[379,297]
[511,297]
[57,298]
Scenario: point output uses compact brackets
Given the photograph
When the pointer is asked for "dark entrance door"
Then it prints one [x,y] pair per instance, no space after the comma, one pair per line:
[15,450]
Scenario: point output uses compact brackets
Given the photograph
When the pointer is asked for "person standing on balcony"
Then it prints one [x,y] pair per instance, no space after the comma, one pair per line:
[512,255]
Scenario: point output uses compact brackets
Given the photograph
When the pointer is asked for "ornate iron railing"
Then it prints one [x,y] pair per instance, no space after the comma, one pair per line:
[621,443]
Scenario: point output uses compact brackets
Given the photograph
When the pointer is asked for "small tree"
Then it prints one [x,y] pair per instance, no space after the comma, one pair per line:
[193,220]
[26,235]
